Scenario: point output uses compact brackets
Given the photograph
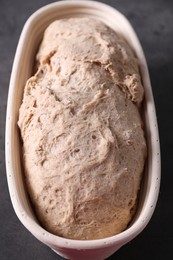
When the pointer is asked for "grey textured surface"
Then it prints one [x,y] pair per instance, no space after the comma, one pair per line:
[152,20]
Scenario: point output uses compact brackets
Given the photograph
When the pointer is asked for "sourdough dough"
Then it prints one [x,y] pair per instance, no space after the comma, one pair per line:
[83,141]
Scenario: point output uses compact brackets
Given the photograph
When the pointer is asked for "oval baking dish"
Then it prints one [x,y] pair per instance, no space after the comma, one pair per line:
[22,69]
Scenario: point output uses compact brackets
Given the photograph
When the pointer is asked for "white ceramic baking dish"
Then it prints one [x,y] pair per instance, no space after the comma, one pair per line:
[22,68]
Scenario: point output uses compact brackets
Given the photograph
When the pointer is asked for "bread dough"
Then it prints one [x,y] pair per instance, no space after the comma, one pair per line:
[83,141]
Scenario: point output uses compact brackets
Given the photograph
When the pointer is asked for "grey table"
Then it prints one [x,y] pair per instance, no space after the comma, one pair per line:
[153,22]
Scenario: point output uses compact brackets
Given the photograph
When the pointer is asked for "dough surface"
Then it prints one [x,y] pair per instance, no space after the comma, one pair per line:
[83,141]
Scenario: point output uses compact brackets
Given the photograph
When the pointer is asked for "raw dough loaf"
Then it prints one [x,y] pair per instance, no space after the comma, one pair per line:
[83,141]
